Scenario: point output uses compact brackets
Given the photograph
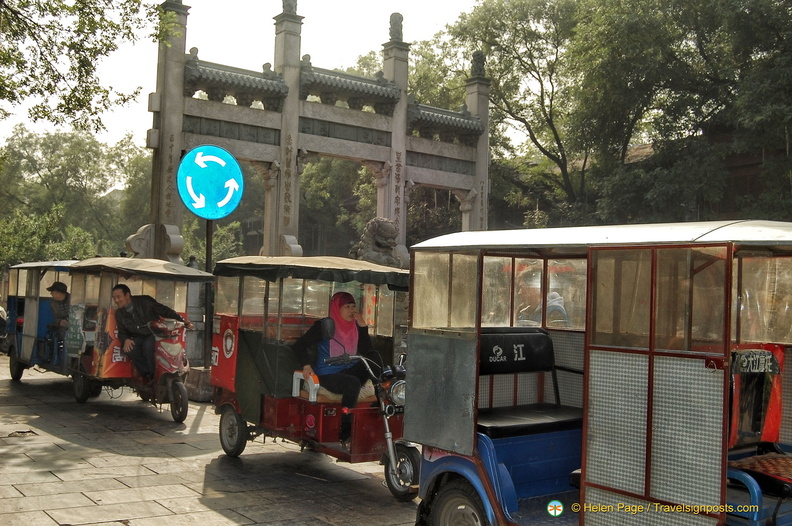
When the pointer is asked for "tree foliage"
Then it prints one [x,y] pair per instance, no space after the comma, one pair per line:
[28,237]
[587,82]
[73,173]
[50,51]
[525,43]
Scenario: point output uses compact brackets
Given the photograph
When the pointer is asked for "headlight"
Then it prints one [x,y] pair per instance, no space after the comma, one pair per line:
[397,391]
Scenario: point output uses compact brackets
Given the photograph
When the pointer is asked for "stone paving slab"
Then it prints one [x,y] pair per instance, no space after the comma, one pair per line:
[55,488]
[118,461]
[112,512]
[32,518]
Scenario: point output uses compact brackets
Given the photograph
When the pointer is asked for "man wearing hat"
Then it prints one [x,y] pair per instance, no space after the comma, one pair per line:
[60,308]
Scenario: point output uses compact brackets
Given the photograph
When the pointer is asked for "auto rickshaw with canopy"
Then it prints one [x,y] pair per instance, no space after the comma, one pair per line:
[29,318]
[98,358]
[262,306]
[654,393]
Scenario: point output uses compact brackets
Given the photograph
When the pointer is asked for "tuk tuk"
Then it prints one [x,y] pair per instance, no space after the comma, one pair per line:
[30,336]
[89,350]
[603,375]
[262,306]
[99,360]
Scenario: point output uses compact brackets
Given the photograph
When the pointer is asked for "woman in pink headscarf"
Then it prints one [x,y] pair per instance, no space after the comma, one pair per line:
[352,337]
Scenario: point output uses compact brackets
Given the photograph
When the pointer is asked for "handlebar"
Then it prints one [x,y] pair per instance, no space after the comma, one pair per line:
[348,358]
[343,359]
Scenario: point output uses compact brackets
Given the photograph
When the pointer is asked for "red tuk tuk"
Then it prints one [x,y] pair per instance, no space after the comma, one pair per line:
[262,305]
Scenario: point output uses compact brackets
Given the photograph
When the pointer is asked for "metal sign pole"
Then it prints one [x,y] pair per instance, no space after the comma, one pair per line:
[208,297]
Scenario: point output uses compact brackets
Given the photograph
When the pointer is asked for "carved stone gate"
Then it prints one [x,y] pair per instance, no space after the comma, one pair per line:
[275,126]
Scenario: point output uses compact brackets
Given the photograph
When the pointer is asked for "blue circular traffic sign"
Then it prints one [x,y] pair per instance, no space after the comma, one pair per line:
[210,182]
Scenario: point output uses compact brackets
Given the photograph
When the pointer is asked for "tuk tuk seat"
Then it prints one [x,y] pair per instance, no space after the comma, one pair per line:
[512,350]
[314,392]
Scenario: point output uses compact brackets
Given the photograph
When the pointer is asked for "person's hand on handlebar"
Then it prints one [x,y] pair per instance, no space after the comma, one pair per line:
[307,372]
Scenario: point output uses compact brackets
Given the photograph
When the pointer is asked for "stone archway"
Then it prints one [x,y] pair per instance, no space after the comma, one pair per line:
[274,125]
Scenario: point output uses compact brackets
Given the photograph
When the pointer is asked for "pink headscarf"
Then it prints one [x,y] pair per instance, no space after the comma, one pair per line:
[346,332]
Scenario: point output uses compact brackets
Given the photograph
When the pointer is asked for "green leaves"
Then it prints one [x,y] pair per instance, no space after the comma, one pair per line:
[50,50]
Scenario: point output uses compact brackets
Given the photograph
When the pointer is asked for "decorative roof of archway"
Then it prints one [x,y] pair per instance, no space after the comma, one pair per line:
[428,121]
[331,86]
[246,86]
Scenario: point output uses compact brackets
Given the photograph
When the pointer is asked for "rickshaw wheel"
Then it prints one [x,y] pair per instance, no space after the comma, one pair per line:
[408,468]
[457,504]
[178,401]
[82,387]
[16,367]
[95,389]
[233,432]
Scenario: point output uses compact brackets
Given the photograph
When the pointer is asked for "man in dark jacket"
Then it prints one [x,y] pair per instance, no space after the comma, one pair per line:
[60,309]
[132,315]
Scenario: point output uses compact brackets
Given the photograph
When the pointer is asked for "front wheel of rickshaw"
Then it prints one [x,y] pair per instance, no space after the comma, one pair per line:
[95,389]
[457,503]
[408,468]
[82,387]
[15,366]
[233,432]
[178,401]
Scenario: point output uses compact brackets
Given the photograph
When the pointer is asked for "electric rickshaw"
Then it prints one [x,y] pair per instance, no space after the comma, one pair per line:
[31,338]
[100,361]
[657,398]
[90,351]
[262,306]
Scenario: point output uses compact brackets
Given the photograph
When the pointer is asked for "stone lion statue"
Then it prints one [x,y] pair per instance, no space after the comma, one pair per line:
[378,244]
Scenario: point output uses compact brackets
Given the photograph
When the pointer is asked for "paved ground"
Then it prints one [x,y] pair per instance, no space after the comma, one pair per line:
[120,461]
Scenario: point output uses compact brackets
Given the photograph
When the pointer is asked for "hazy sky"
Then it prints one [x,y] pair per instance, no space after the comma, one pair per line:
[241,33]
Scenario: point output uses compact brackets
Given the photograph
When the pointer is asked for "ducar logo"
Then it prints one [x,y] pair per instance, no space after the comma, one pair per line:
[497,355]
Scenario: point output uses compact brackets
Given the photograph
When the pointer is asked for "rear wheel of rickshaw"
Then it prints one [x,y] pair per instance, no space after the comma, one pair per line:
[178,401]
[16,367]
[408,467]
[82,387]
[457,503]
[233,432]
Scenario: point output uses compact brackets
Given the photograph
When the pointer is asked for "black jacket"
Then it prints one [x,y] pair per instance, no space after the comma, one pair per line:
[144,310]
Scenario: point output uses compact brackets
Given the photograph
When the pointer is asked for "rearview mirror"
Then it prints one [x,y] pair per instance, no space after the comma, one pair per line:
[328,328]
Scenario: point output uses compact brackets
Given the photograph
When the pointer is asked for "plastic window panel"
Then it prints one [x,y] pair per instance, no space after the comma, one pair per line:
[528,388]
[568,348]
[503,390]
[484,392]
[616,448]
[686,437]
[570,388]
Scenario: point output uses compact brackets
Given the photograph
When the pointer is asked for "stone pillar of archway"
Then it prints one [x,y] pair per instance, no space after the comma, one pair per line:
[161,238]
[390,194]
[467,199]
[283,204]
[477,101]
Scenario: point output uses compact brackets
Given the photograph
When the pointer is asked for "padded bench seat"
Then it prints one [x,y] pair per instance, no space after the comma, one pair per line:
[502,422]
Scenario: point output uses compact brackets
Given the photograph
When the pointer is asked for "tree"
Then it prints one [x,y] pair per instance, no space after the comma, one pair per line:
[50,51]
[526,46]
[132,165]
[331,196]
[81,175]
[37,237]
[67,168]
[668,72]
[225,242]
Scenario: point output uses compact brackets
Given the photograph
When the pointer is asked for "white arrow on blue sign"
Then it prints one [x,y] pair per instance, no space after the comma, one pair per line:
[210,182]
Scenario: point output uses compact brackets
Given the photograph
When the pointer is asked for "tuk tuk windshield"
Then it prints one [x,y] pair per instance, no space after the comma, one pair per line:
[515,291]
